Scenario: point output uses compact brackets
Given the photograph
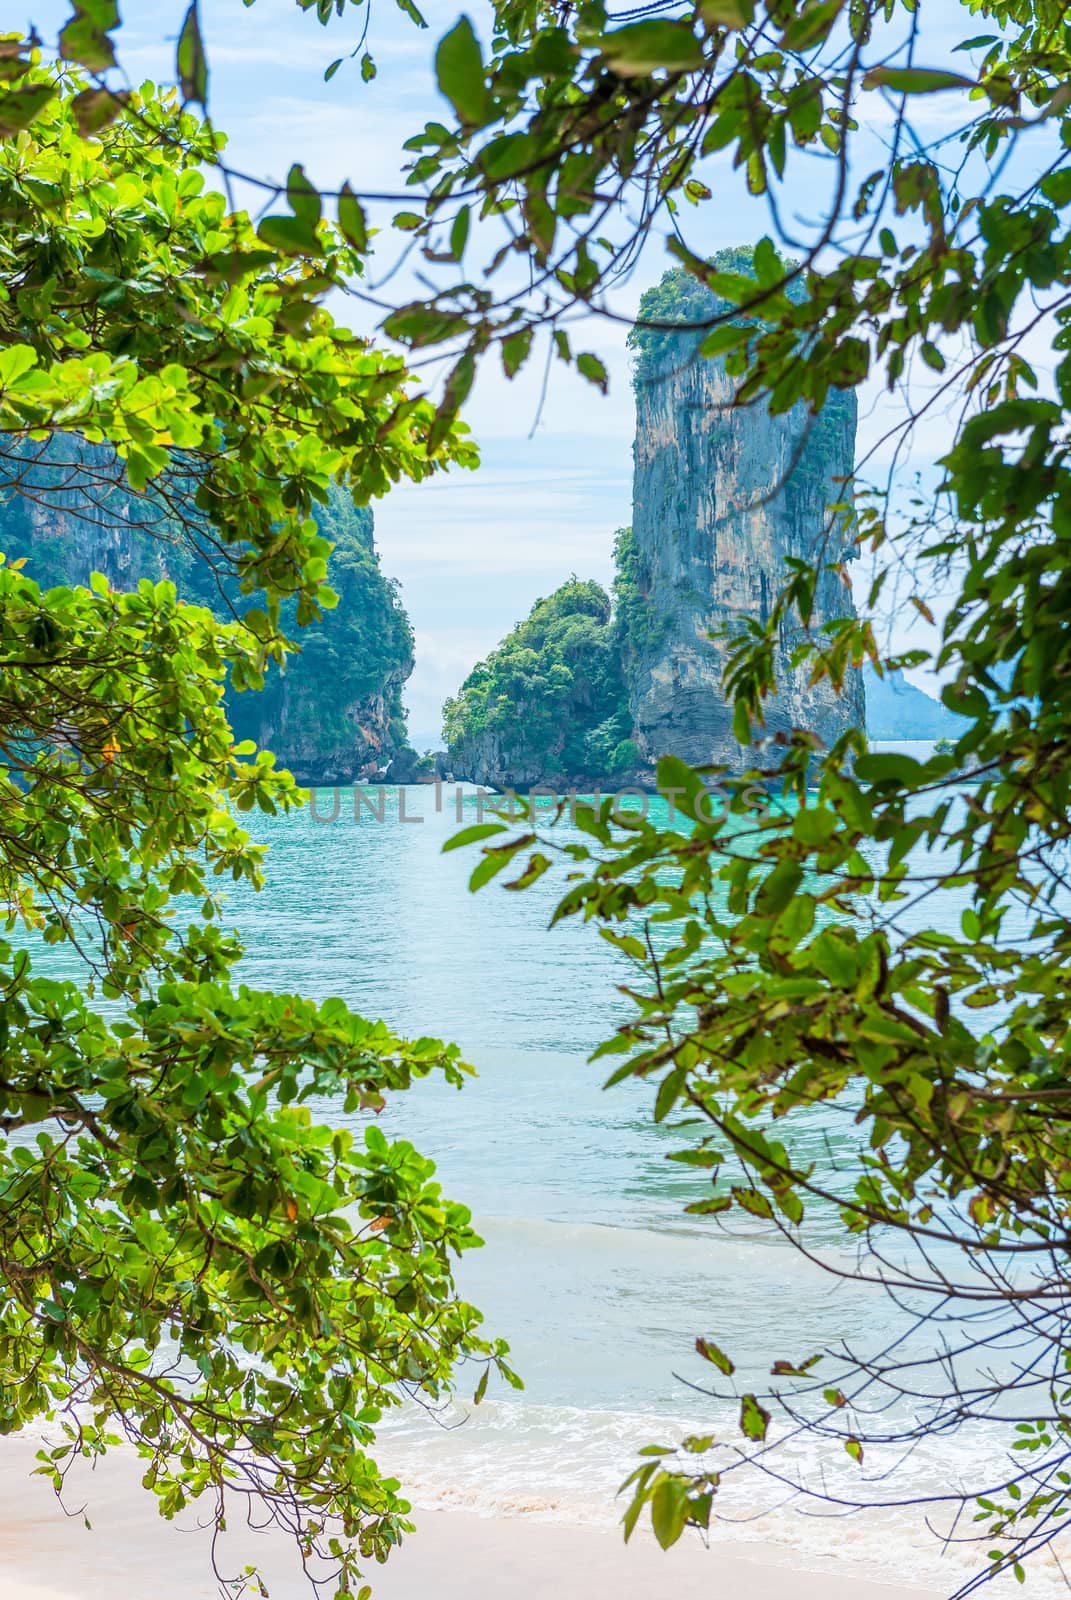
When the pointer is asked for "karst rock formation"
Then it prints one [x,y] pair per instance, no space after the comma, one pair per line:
[723,494]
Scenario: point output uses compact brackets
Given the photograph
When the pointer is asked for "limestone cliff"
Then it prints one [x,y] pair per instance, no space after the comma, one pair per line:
[335,714]
[721,497]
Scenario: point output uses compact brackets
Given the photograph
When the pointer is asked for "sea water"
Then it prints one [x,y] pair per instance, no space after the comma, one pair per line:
[590,1269]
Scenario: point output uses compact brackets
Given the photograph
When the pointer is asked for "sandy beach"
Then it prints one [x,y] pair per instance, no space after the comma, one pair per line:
[130,1552]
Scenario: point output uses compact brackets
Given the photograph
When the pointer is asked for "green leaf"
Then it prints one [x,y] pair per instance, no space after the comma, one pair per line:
[94,109]
[728,13]
[459,233]
[729,336]
[492,864]
[794,1369]
[302,197]
[768,266]
[669,1092]
[837,959]
[886,767]
[1056,186]
[754,1419]
[916,80]
[591,368]
[812,25]
[669,1511]
[191,60]
[351,219]
[778,888]
[455,392]
[479,830]
[644,47]
[515,351]
[710,1352]
[84,38]
[632,1514]
[682,784]
[293,236]
[368,68]
[460,74]
[21,107]
[849,363]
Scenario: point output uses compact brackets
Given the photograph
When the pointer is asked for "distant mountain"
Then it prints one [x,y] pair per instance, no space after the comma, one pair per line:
[895,709]
[335,714]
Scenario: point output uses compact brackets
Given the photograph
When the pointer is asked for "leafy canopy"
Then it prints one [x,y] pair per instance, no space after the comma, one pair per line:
[69,511]
[189,1256]
[787,964]
[550,701]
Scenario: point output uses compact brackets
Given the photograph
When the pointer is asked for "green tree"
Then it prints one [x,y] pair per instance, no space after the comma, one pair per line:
[549,703]
[190,1258]
[779,971]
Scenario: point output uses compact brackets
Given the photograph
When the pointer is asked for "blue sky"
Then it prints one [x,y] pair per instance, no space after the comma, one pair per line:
[474,550]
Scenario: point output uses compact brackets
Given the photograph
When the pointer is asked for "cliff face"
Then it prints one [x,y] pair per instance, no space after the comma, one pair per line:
[334,714]
[322,727]
[721,498]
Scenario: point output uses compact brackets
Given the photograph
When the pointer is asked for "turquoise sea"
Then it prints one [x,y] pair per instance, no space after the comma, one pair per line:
[591,1270]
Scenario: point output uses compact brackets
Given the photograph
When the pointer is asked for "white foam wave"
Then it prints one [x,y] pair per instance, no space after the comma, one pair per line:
[564,1464]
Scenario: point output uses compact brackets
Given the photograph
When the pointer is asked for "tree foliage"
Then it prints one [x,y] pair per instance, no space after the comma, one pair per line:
[786,964]
[189,1256]
[563,119]
[550,702]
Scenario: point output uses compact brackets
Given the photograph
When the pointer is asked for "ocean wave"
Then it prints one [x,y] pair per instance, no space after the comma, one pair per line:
[565,1465]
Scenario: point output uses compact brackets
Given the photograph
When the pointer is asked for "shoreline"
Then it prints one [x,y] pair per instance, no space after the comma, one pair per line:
[47,1554]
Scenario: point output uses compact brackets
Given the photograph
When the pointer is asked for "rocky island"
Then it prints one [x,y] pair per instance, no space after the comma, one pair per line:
[587,689]
[334,714]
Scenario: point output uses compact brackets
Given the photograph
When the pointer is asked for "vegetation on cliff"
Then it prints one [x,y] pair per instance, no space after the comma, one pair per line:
[549,702]
[67,511]
[357,655]
[680,301]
